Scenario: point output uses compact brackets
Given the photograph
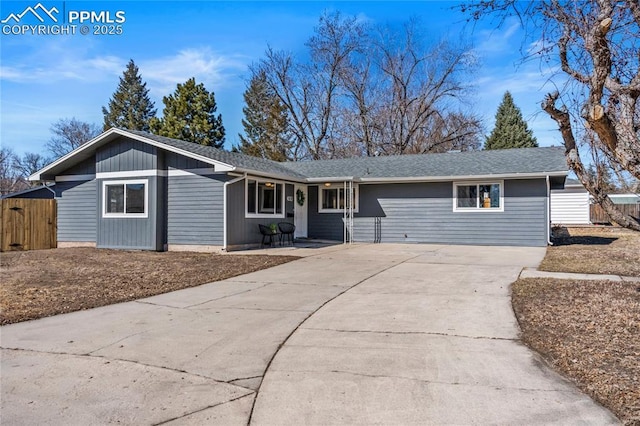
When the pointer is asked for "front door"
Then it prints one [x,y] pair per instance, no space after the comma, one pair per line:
[300,211]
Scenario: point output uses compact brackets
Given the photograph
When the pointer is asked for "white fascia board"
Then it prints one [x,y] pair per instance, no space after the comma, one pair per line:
[219,166]
[461,177]
[334,179]
[254,173]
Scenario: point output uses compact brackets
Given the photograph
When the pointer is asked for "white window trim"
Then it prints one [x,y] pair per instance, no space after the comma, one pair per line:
[356,190]
[125,215]
[478,209]
[274,215]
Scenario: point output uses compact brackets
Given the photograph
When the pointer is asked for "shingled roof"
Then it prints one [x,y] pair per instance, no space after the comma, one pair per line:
[503,163]
[450,164]
[240,161]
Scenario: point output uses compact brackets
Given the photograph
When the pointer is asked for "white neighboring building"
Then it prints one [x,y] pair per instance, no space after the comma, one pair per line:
[570,206]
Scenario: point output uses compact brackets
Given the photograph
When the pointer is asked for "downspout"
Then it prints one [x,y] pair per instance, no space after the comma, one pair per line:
[549,212]
[344,212]
[224,208]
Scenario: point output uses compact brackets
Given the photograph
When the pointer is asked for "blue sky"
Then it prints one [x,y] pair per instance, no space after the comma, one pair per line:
[47,77]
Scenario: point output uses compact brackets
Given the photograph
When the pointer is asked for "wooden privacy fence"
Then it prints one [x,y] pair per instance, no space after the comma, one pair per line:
[28,224]
[598,215]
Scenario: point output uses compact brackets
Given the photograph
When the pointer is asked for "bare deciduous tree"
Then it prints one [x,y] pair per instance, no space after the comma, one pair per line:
[10,179]
[597,46]
[363,92]
[69,134]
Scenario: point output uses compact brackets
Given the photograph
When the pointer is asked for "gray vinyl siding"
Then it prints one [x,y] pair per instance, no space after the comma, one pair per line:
[77,211]
[126,155]
[423,213]
[242,230]
[195,205]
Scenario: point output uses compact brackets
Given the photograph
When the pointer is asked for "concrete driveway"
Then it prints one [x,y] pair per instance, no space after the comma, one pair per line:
[362,334]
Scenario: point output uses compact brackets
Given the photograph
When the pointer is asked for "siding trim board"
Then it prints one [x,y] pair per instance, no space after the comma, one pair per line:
[74,178]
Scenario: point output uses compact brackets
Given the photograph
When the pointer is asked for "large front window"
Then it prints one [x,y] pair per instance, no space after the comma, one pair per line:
[483,196]
[332,198]
[265,198]
[125,198]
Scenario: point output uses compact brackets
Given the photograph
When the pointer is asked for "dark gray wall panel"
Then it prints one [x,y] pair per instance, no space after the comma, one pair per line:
[126,155]
[86,167]
[325,226]
[194,209]
[243,230]
[77,211]
[177,161]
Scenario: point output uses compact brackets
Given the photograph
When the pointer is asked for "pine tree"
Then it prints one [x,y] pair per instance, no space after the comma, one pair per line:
[511,130]
[189,114]
[265,122]
[130,106]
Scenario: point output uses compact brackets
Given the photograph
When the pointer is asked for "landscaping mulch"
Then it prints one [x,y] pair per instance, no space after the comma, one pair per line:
[590,332]
[594,250]
[41,283]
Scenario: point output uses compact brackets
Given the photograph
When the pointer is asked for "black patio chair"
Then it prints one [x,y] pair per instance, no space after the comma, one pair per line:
[286,231]
[266,231]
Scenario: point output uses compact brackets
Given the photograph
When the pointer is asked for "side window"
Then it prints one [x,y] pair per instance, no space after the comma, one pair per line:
[125,198]
[481,196]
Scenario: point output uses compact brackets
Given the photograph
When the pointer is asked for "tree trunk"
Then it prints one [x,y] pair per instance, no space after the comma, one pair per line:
[575,163]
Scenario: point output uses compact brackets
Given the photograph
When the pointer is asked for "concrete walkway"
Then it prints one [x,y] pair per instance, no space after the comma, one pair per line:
[534,273]
[363,334]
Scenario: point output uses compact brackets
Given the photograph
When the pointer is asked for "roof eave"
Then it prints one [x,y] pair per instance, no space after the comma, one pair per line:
[462,177]
[333,179]
[276,176]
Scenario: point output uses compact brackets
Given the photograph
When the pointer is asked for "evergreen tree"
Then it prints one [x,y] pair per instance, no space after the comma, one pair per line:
[130,106]
[265,122]
[189,114]
[511,130]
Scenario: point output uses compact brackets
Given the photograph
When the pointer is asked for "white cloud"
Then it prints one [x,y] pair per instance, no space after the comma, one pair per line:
[212,69]
[497,41]
[162,74]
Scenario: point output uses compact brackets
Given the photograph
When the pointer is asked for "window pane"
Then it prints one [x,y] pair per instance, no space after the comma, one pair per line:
[279,192]
[251,196]
[467,196]
[330,198]
[135,198]
[341,198]
[115,199]
[266,197]
[494,193]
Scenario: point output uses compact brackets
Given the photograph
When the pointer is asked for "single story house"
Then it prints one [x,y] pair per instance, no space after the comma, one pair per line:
[570,205]
[135,190]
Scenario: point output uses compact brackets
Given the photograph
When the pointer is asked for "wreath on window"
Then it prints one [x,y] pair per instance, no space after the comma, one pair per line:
[300,197]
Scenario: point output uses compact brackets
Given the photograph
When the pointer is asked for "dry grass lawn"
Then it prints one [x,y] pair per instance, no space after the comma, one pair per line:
[41,283]
[590,332]
[594,250]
